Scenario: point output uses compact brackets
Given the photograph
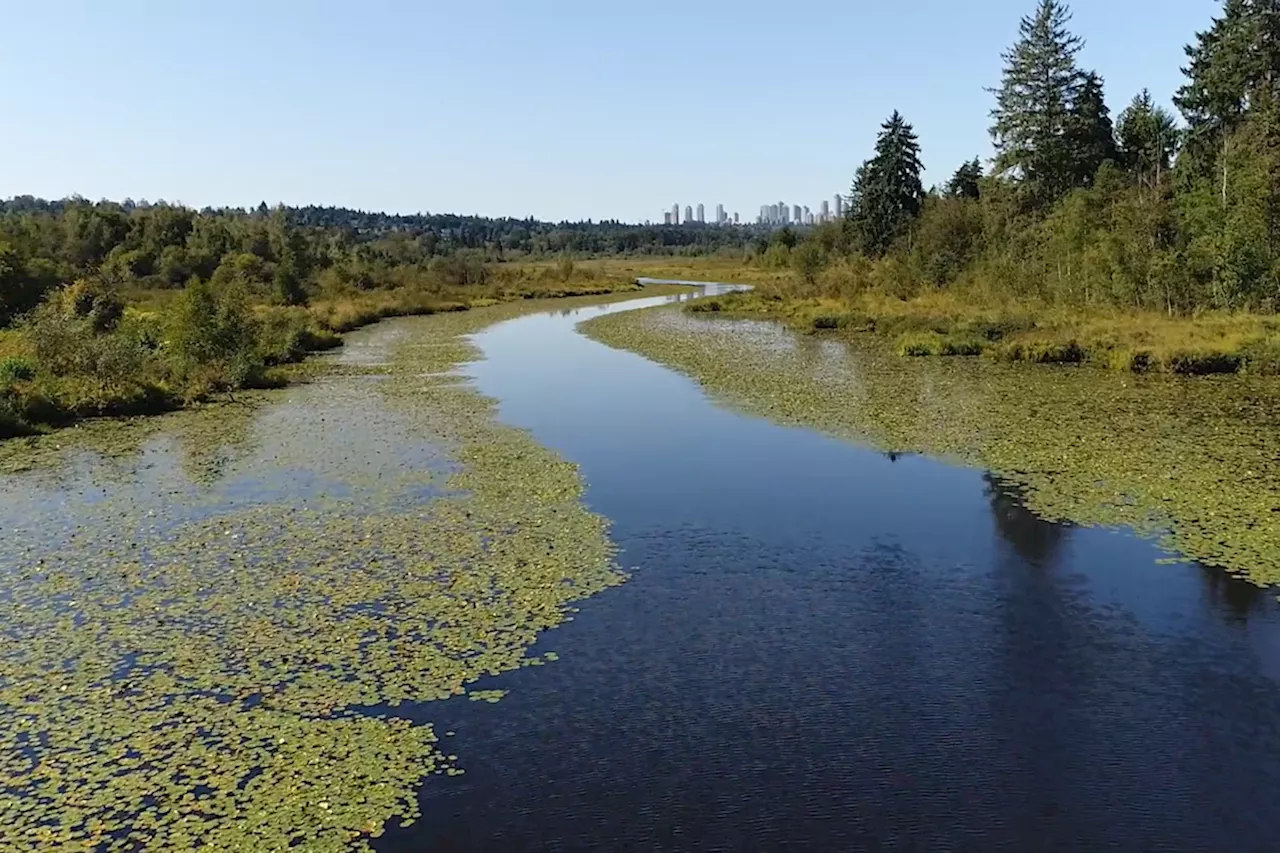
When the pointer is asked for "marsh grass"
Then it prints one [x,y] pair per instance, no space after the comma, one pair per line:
[947,324]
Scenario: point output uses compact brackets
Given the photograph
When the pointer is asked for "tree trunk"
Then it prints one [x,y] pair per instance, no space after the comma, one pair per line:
[1224,170]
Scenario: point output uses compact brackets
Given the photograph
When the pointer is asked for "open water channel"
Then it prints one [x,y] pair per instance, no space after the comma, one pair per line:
[824,647]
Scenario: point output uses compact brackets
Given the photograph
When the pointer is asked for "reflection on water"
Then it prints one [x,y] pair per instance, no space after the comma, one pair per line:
[1236,598]
[1037,541]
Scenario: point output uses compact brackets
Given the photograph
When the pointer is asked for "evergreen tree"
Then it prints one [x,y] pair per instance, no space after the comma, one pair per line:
[1034,104]
[887,193]
[1147,139]
[1090,136]
[1229,65]
[964,183]
[1228,197]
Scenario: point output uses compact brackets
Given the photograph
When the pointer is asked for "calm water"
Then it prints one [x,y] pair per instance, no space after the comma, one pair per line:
[824,648]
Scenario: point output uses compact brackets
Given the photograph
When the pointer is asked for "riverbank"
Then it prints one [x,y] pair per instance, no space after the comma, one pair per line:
[944,323]
[67,366]
[1189,461]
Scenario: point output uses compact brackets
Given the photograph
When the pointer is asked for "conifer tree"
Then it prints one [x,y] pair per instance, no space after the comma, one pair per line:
[964,183]
[1040,89]
[887,193]
[1228,68]
[1146,139]
[1090,135]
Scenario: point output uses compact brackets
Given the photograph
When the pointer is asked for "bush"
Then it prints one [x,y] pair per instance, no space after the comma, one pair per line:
[93,300]
[1262,356]
[808,260]
[461,269]
[564,268]
[213,340]
[11,424]
[15,369]
[72,345]
[705,306]
[287,335]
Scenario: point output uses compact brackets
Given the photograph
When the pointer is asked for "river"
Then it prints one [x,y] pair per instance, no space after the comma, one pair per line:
[824,647]
[819,646]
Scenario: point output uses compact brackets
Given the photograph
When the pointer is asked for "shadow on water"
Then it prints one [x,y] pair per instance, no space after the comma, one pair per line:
[1235,598]
[823,647]
[1035,540]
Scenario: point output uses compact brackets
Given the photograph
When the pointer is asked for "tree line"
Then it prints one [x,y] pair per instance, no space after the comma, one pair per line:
[44,244]
[1079,208]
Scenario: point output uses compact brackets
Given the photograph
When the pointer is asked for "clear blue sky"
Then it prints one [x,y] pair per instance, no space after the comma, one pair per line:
[559,109]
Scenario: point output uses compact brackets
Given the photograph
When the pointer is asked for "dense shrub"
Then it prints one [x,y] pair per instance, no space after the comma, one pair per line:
[213,343]
[461,269]
[286,335]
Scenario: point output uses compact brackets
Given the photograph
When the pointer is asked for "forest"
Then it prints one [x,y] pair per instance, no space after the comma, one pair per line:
[1137,241]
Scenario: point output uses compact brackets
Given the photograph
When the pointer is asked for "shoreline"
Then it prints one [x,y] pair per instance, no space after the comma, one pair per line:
[152,401]
[945,325]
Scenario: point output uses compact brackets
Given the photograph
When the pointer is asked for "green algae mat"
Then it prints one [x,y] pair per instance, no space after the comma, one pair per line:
[211,618]
[1194,462]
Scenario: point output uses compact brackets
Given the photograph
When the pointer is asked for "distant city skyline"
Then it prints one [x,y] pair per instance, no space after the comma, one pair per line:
[774,214]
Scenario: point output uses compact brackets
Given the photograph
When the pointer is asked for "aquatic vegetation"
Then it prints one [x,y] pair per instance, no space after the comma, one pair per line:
[1189,460]
[490,696]
[213,616]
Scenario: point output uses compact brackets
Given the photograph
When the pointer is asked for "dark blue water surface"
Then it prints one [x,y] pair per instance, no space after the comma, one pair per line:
[824,648]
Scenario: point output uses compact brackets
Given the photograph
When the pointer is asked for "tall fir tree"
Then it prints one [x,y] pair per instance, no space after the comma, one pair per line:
[1041,86]
[1090,135]
[887,193]
[1228,195]
[1229,67]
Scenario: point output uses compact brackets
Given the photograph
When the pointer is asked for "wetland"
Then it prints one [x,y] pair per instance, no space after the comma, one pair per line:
[707,583]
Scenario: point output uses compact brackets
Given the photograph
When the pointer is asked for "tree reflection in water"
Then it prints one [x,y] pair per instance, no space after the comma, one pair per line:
[1035,540]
